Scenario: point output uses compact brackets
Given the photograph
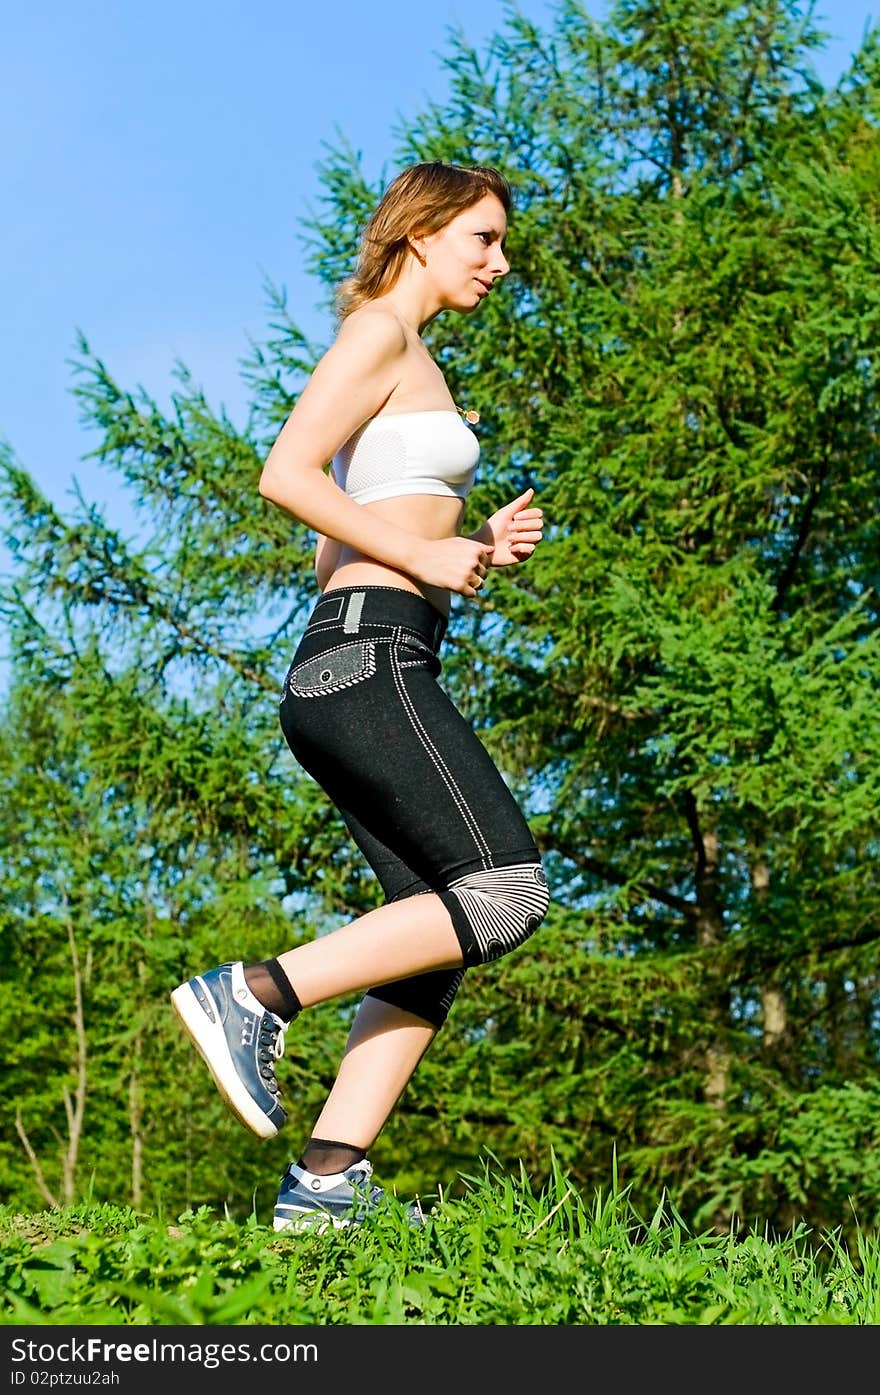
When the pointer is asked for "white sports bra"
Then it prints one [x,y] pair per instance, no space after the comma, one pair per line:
[430,452]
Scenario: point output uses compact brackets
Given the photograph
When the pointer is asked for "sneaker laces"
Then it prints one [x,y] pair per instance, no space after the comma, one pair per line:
[371,1192]
[365,1167]
[270,1049]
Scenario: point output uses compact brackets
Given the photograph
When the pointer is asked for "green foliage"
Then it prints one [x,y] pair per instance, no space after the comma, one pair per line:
[680,685]
[505,1254]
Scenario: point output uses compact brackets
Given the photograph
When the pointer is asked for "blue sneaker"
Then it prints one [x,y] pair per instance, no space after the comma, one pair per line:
[240,1041]
[307,1201]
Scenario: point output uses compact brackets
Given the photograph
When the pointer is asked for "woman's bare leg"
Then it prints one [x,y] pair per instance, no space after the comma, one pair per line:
[384,1047]
[221,1012]
[392,942]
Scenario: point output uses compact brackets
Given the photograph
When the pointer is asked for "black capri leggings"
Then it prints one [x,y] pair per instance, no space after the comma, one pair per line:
[363,713]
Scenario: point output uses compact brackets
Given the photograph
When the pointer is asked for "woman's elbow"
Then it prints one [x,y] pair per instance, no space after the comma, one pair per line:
[269,483]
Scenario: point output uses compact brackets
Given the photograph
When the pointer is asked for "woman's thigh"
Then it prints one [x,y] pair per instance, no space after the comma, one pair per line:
[385,741]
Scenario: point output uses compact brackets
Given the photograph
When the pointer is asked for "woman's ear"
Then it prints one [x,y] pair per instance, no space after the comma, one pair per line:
[418,247]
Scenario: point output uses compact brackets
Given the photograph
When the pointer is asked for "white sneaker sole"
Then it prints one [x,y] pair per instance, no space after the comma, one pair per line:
[210,1040]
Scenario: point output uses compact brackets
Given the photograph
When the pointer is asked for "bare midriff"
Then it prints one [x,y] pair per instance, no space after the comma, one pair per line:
[428,516]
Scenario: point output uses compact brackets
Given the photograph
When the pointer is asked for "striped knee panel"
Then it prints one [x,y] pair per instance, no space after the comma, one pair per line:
[501,908]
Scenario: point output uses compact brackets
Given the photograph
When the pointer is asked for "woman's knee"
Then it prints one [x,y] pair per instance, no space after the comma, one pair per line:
[495,911]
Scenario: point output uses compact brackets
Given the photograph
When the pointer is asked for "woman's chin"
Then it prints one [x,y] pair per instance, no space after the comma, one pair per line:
[467,307]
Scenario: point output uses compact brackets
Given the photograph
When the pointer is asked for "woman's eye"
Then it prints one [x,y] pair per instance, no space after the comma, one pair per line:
[486,238]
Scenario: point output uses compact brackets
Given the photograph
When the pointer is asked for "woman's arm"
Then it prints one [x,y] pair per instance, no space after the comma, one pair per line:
[349,385]
[351,382]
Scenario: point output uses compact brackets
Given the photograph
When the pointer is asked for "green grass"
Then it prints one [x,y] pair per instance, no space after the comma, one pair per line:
[503,1253]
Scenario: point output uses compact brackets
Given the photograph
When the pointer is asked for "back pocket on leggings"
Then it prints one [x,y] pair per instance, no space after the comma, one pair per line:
[334,670]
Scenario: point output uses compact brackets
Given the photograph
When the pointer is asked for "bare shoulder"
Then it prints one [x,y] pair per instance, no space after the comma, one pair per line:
[373,330]
[352,380]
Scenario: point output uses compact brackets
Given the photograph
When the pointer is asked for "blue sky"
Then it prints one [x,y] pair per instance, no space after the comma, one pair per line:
[158,162]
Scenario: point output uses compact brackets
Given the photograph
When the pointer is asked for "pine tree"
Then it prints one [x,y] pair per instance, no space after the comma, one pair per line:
[680,685]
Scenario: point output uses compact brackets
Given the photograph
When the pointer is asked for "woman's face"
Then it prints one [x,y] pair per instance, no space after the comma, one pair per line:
[465,258]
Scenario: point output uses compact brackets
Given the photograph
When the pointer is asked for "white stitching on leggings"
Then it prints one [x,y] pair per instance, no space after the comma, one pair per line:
[337,624]
[439,763]
[449,996]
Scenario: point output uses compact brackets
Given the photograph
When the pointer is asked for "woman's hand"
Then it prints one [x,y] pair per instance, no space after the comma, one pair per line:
[456,564]
[513,532]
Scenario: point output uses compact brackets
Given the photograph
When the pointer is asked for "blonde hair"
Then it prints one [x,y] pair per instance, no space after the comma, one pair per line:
[420,200]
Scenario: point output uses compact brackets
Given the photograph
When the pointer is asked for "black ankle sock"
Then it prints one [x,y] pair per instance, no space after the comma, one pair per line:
[270,986]
[323,1156]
